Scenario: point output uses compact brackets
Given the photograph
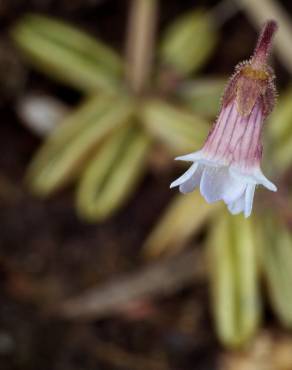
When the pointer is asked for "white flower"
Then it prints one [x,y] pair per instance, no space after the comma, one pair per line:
[228,166]
[220,182]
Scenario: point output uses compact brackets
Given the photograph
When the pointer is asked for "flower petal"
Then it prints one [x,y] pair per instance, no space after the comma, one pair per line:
[249,194]
[261,179]
[255,176]
[213,183]
[191,157]
[237,206]
[193,182]
[217,183]
[234,189]
[185,177]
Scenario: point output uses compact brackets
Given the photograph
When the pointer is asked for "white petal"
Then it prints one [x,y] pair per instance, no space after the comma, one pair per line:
[193,182]
[234,189]
[237,206]
[213,183]
[249,199]
[190,157]
[217,183]
[255,176]
[261,179]
[185,177]
[248,178]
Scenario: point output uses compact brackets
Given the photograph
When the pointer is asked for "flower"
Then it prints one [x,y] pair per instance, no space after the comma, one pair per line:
[228,166]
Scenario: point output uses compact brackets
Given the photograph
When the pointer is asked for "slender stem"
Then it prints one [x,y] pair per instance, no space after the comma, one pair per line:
[140,43]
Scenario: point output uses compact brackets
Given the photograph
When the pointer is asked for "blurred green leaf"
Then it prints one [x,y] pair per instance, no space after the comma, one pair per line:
[67,54]
[181,220]
[234,279]
[188,42]
[280,128]
[202,95]
[281,119]
[178,129]
[113,173]
[276,257]
[58,161]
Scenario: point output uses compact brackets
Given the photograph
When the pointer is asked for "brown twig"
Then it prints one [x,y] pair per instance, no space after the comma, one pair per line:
[161,278]
[140,43]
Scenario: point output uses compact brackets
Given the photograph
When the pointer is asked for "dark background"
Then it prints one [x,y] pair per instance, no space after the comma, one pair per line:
[47,253]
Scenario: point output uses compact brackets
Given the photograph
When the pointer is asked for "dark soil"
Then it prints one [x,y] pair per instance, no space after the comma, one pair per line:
[47,253]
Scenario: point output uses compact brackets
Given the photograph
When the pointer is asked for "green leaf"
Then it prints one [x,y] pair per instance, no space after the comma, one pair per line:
[67,54]
[185,216]
[202,95]
[280,129]
[113,174]
[234,279]
[281,120]
[59,160]
[188,42]
[180,130]
[276,258]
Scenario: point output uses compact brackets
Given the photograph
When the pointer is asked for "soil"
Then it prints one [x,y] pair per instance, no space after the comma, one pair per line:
[47,253]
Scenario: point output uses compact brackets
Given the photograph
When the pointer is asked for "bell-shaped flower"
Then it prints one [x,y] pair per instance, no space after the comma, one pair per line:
[228,166]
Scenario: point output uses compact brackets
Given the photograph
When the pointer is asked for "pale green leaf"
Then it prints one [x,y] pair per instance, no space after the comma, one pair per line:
[182,219]
[280,129]
[113,173]
[234,279]
[58,161]
[280,125]
[67,54]
[202,95]
[188,42]
[276,257]
[179,129]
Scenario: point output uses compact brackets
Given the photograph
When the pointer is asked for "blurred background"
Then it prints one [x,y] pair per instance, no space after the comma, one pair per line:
[102,266]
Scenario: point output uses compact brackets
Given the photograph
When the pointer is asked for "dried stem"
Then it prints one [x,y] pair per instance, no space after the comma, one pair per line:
[140,43]
[163,277]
